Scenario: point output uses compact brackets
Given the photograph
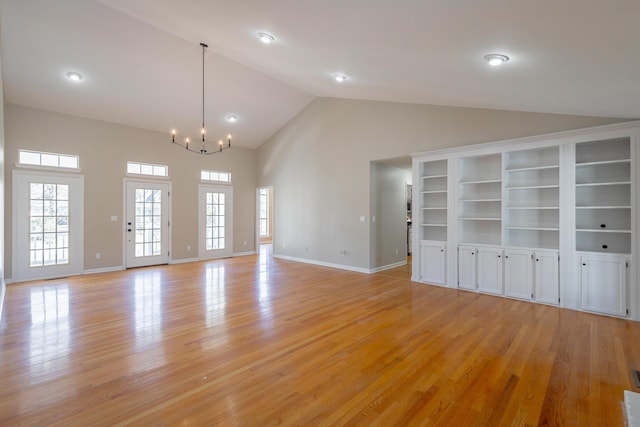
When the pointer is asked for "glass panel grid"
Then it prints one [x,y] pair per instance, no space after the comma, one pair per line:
[138,168]
[38,158]
[49,224]
[206,175]
[215,221]
[148,221]
[264,212]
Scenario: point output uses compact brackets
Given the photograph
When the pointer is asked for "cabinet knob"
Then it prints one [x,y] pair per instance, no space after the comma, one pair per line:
[537,259]
[471,253]
[603,225]
[604,246]
[441,250]
[584,263]
[506,256]
[498,256]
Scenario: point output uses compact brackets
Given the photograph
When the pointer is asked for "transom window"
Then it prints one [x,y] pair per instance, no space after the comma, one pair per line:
[215,176]
[214,226]
[49,228]
[138,168]
[55,160]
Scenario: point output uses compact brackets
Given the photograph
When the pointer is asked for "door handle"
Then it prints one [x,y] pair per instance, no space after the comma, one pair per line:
[129,230]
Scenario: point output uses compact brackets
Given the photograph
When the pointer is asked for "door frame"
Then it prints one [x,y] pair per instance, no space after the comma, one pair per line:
[76,258]
[142,180]
[228,220]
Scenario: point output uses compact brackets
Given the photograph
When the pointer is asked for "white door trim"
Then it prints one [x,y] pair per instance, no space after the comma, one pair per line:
[228,250]
[19,247]
[143,181]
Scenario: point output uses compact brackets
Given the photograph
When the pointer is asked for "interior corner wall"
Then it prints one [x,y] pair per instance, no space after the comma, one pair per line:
[2,184]
[319,165]
[104,149]
[388,215]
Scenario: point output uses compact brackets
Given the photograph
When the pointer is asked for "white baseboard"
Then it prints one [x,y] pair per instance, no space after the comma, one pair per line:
[324,264]
[388,266]
[104,270]
[244,253]
[183,260]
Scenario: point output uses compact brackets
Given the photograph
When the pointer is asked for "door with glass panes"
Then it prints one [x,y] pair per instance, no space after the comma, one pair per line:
[215,219]
[48,225]
[147,223]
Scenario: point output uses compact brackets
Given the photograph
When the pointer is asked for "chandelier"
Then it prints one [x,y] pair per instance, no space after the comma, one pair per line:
[203,149]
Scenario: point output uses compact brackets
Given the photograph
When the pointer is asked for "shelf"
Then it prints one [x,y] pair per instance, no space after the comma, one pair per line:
[604,162]
[434,225]
[533,207]
[490,181]
[434,208]
[603,207]
[600,184]
[480,219]
[530,187]
[433,191]
[534,228]
[432,176]
[603,230]
[533,168]
[480,200]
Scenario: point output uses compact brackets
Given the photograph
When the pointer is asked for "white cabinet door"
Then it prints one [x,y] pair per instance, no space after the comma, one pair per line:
[467,267]
[490,270]
[547,286]
[604,283]
[518,274]
[432,256]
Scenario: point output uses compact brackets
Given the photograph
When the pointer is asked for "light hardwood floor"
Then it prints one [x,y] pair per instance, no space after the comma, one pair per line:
[260,341]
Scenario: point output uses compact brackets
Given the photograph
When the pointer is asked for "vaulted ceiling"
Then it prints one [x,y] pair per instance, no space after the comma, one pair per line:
[142,64]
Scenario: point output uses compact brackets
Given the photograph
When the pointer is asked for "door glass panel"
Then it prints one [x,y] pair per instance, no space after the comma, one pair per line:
[214,223]
[148,220]
[49,224]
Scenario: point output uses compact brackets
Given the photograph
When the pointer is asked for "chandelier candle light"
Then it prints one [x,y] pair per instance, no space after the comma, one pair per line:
[202,150]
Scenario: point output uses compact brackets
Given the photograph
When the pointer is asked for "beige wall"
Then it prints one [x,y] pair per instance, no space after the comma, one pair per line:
[104,148]
[319,164]
[2,184]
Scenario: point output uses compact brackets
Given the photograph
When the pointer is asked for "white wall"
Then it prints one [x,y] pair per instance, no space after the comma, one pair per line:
[319,165]
[104,148]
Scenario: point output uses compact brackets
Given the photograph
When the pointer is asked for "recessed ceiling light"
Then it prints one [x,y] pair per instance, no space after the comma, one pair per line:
[232,118]
[74,76]
[339,77]
[266,38]
[496,59]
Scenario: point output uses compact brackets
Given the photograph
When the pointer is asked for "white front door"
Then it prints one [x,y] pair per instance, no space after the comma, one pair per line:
[48,218]
[147,223]
[215,221]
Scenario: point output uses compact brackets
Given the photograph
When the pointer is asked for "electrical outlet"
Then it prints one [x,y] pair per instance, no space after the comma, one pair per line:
[188,248]
[396,251]
[244,243]
[98,255]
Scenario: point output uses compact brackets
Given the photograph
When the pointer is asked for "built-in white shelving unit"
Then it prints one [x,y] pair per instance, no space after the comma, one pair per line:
[433,201]
[532,198]
[550,219]
[603,196]
[480,199]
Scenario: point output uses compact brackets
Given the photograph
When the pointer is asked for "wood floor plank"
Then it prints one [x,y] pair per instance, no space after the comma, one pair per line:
[260,341]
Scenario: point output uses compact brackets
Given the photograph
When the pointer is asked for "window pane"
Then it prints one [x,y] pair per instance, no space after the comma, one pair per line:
[49,159]
[68,161]
[133,167]
[146,169]
[29,158]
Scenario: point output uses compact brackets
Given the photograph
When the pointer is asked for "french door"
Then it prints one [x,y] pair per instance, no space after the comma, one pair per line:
[147,223]
[48,225]
[215,221]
